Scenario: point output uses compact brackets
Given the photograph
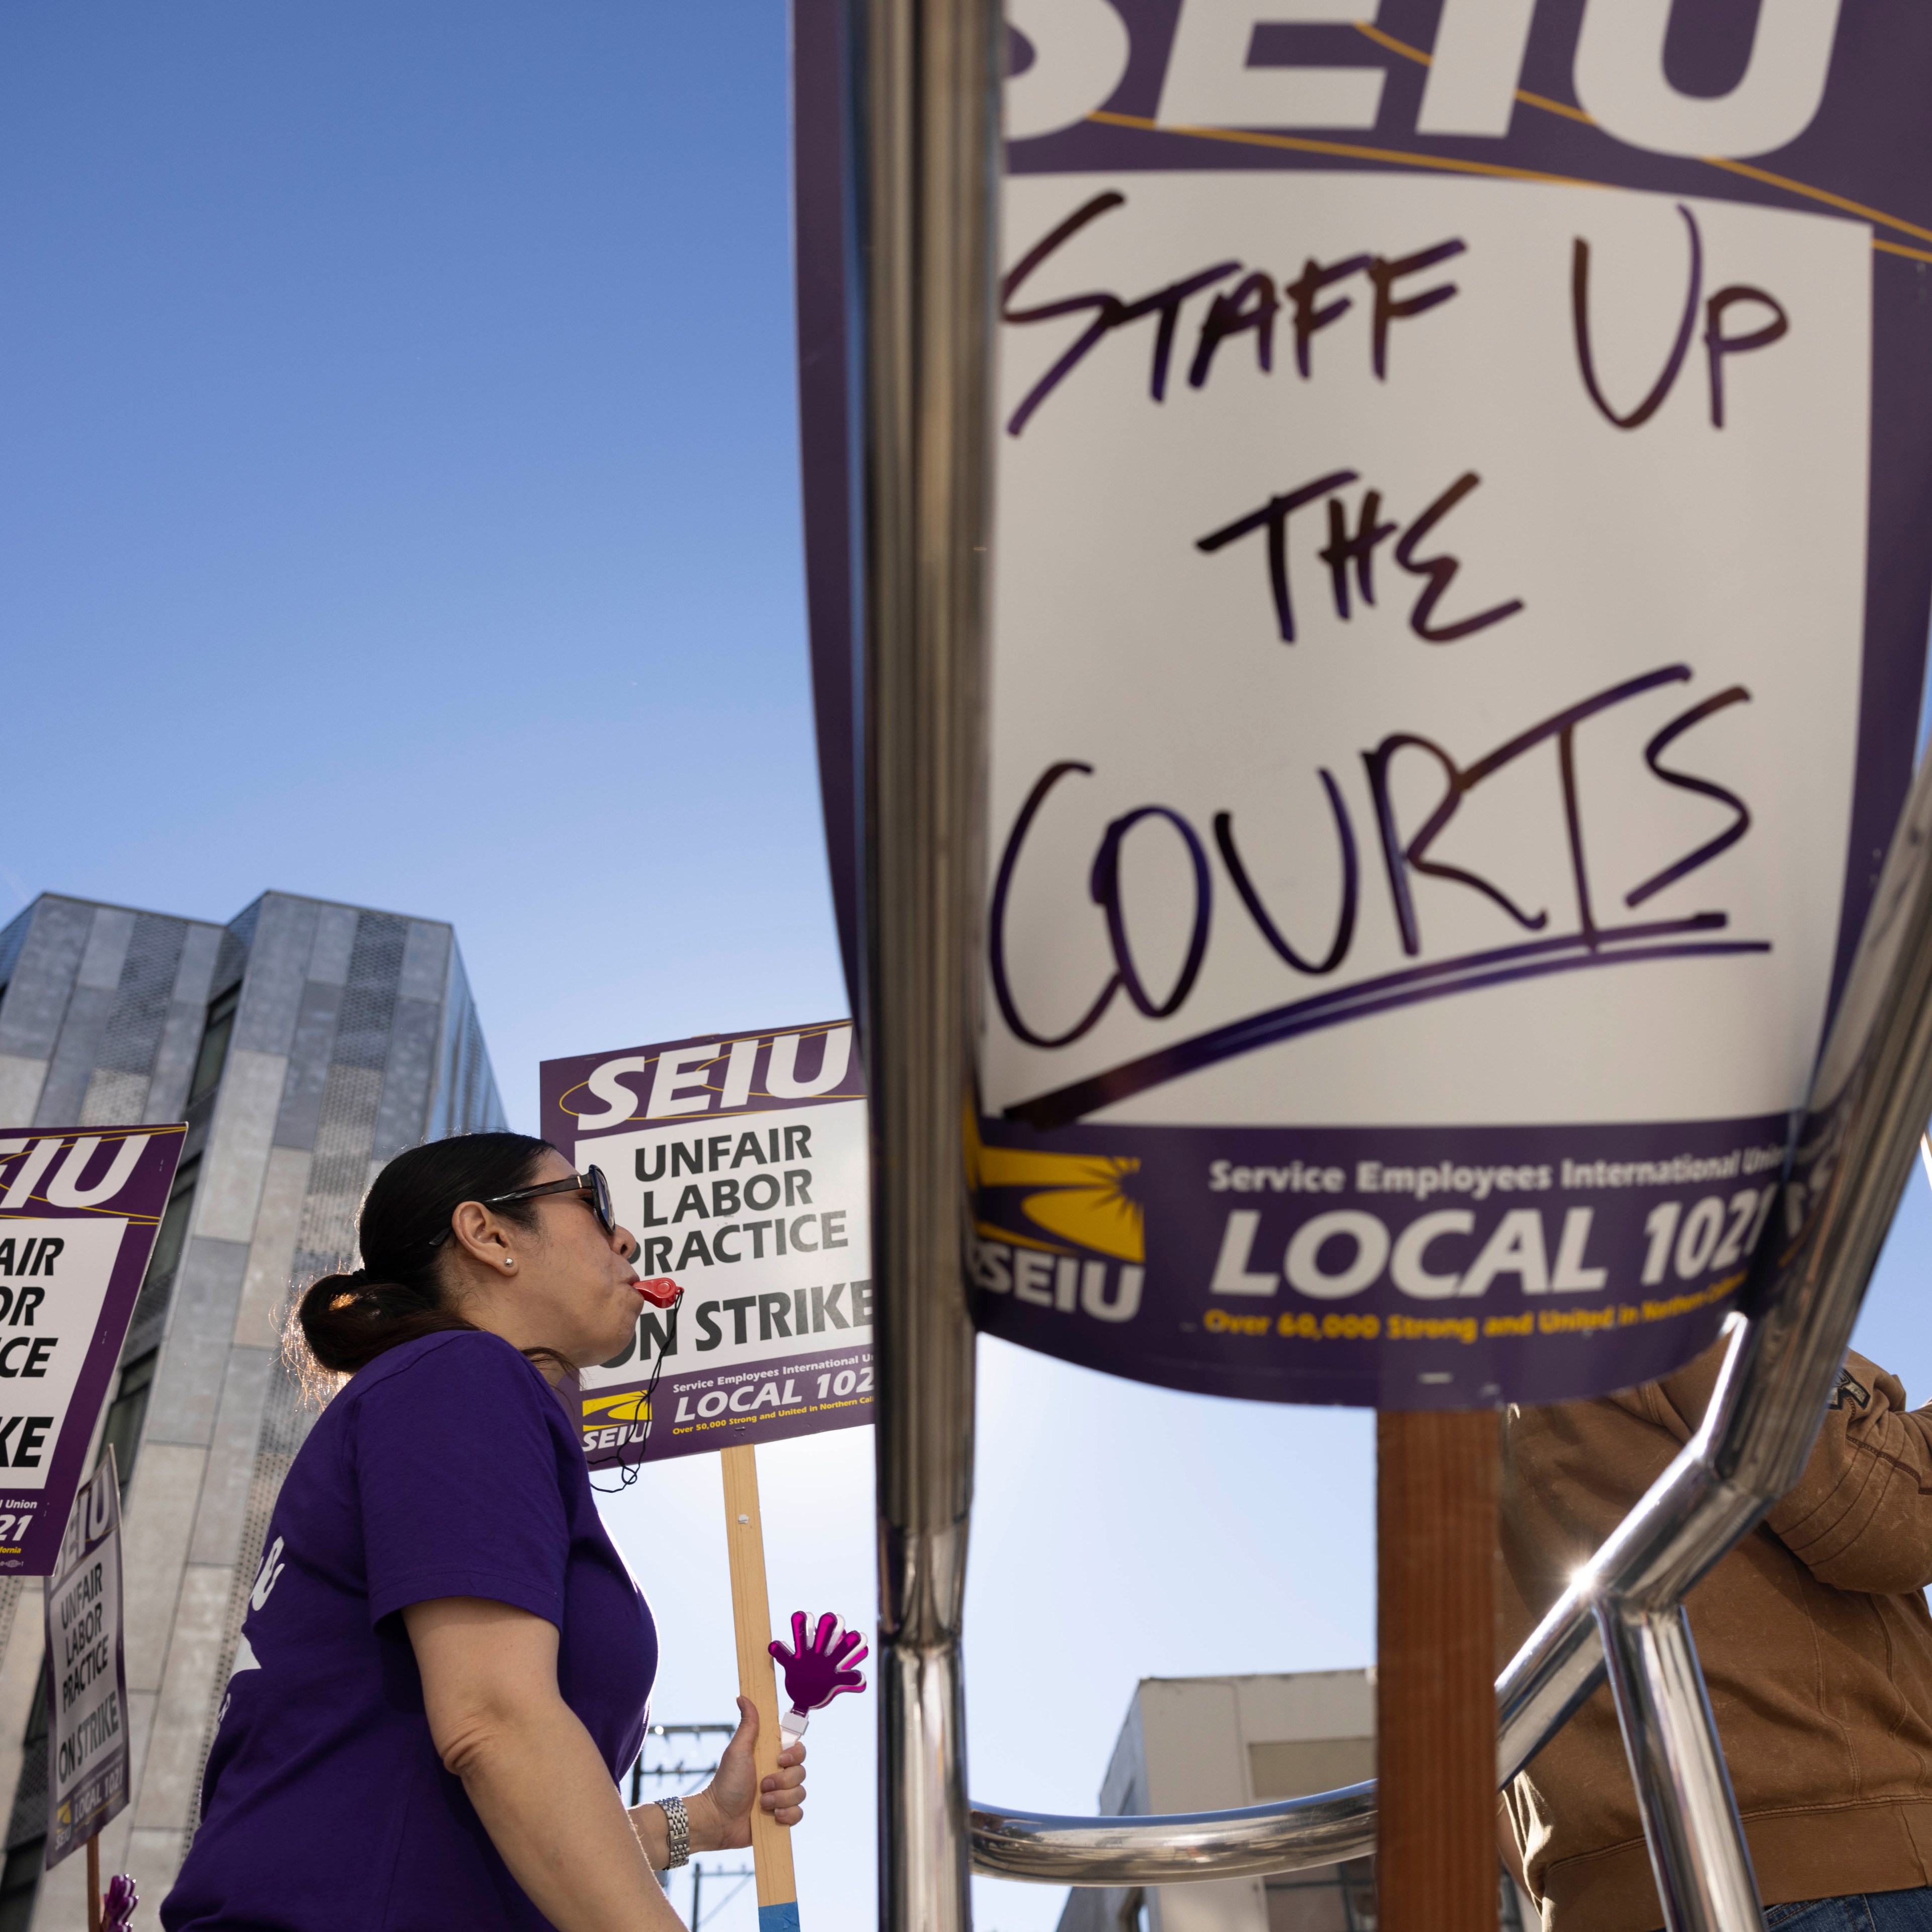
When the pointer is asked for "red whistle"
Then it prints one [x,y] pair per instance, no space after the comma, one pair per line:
[660,1291]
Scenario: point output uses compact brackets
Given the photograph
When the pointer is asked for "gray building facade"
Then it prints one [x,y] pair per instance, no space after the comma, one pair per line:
[305,1043]
[1208,1743]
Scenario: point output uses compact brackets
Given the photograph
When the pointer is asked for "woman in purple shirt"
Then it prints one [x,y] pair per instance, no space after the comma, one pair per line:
[446,1663]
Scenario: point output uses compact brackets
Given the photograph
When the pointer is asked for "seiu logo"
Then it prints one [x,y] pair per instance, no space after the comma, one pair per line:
[1074,52]
[1043,1221]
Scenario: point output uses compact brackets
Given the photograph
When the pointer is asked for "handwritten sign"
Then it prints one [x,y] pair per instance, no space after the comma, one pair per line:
[87,1671]
[1455,658]
[741,1163]
[79,1211]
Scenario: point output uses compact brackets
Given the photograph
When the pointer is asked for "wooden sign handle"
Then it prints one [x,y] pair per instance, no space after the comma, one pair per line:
[752,1621]
[1437,1868]
[93,1883]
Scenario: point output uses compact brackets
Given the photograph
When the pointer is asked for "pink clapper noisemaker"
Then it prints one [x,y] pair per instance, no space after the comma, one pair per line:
[121,1901]
[815,1672]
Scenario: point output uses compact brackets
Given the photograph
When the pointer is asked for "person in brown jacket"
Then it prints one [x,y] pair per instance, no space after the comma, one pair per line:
[1817,1647]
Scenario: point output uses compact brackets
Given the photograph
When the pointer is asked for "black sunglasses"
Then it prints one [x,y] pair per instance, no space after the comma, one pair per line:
[591,1184]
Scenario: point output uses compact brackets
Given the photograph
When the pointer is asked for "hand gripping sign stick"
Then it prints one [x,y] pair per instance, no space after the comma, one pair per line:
[816,1671]
[751,1622]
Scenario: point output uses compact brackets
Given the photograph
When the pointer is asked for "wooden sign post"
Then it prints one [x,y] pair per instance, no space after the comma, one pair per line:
[1435,1704]
[752,1621]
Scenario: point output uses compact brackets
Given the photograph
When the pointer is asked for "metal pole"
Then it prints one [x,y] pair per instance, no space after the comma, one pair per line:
[924,96]
[1690,1813]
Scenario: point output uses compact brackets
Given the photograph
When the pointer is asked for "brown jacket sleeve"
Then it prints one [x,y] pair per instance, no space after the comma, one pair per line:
[1860,1517]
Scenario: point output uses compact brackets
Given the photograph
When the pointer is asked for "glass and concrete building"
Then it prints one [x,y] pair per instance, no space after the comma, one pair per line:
[1209,1744]
[305,1043]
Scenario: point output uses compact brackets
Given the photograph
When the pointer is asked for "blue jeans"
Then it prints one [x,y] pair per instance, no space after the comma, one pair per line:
[1866,1912]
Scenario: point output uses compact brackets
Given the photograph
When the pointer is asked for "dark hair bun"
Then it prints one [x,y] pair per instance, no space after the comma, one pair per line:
[345,1321]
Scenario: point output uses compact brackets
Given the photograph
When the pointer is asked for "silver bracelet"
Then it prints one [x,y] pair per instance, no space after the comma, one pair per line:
[677,1832]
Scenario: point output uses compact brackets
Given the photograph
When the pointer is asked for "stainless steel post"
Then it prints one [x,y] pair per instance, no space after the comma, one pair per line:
[1690,1814]
[925,100]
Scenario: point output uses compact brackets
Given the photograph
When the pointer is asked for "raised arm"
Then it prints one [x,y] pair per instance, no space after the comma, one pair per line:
[544,1793]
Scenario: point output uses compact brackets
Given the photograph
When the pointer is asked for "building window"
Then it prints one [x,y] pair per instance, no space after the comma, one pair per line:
[38,1722]
[1324,1898]
[19,1883]
[171,1237]
[151,1305]
[125,1415]
[214,1053]
[1342,1898]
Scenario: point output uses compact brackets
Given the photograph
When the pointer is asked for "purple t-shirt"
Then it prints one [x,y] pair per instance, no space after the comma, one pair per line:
[447,1467]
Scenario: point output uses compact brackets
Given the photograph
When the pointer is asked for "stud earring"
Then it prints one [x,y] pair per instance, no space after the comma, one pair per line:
[509,1261]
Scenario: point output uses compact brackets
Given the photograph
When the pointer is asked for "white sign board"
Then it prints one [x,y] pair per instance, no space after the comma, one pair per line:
[1459,597]
[87,1673]
[742,1165]
[79,1209]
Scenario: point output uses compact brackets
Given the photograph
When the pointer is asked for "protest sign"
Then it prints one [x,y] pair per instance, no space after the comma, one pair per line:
[87,1674]
[78,1209]
[1460,596]
[740,1163]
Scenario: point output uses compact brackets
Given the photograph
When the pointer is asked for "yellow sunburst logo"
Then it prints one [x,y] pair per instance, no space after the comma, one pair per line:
[1083,1197]
[630,1406]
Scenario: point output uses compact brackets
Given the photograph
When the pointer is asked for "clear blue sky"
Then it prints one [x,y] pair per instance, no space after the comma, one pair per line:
[399,505]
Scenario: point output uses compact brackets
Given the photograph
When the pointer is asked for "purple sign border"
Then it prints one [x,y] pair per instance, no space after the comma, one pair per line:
[636,1441]
[141,1201]
[1869,145]
[558,1080]
[795,1411]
